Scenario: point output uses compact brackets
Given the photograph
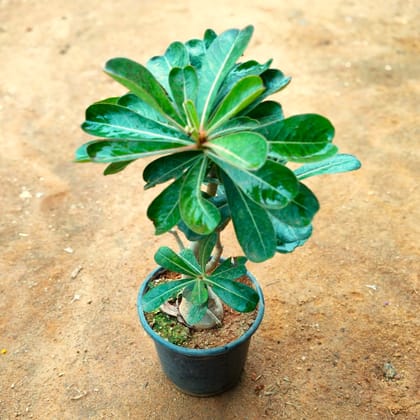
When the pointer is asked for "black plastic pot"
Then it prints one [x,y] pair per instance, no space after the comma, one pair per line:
[202,372]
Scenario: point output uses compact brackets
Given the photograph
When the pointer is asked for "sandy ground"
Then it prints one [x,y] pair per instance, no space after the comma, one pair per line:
[75,245]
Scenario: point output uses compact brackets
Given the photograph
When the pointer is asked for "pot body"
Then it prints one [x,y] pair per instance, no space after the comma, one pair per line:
[202,372]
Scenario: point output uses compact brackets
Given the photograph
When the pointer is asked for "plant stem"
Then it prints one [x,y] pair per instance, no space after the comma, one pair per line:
[214,262]
[178,239]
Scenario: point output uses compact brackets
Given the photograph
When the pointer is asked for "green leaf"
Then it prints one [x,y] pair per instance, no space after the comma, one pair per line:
[272,186]
[141,107]
[108,151]
[183,83]
[117,122]
[218,61]
[164,209]
[168,167]
[195,313]
[235,125]
[238,296]
[192,116]
[268,114]
[288,237]
[199,214]
[274,80]
[241,70]
[196,52]
[196,293]
[176,55]
[246,150]
[189,255]
[114,100]
[301,210]
[303,138]
[209,37]
[252,224]
[139,80]
[242,94]
[231,269]
[205,249]
[225,217]
[168,259]
[81,155]
[336,164]
[158,295]
[116,167]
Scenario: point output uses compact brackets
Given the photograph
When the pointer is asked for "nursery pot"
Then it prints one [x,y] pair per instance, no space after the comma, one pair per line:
[202,372]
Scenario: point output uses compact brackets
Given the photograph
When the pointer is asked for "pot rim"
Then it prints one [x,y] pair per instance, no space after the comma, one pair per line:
[199,352]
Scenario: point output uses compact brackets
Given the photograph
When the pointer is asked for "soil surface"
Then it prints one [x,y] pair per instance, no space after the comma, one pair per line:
[340,336]
[170,325]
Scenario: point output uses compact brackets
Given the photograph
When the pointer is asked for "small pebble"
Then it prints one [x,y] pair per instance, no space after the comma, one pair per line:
[76,271]
[389,371]
[69,250]
[25,194]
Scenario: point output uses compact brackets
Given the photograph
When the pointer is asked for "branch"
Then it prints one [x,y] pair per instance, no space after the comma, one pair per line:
[218,250]
[178,239]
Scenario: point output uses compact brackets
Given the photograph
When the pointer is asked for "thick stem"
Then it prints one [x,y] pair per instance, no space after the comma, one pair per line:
[218,250]
[178,239]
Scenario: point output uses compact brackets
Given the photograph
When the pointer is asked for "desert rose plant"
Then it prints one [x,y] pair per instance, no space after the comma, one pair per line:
[223,152]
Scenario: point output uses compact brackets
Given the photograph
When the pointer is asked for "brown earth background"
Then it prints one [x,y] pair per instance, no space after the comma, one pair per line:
[75,245]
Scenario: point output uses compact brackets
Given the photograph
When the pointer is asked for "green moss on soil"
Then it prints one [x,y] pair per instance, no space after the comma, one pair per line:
[168,328]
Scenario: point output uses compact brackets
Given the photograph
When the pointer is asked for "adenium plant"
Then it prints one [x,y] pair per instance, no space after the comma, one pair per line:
[224,150]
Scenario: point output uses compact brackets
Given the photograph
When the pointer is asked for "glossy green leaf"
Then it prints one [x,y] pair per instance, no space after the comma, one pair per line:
[245,149]
[241,95]
[108,151]
[241,70]
[288,237]
[113,100]
[168,167]
[198,213]
[81,155]
[301,210]
[183,83]
[272,186]
[225,217]
[195,313]
[205,248]
[336,164]
[158,295]
[253,227]
[189,255]
[116,122]
[218,61]
[192,116]
[274,80]
[176,55]
[304,138]
[116,167]
[235,125]
[238,296]
[140,81]
[196,293]
[196,52]
[231,268]
[168,259]
[209,37]
[141,107]
[268,114]
[164,209]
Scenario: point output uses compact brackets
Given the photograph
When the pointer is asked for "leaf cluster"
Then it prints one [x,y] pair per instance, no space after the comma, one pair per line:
[194,286]
[222,148]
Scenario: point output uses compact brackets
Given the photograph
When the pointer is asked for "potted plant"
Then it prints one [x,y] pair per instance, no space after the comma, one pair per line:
[223,152]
